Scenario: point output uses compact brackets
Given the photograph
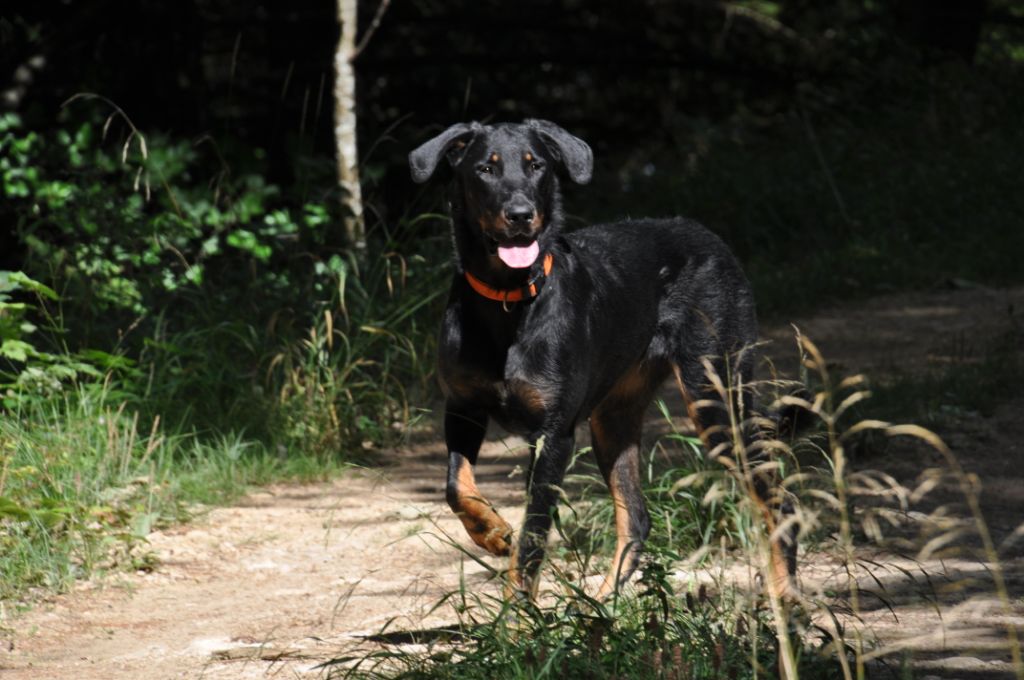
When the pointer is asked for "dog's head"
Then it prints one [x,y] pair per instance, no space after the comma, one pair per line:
[505,200]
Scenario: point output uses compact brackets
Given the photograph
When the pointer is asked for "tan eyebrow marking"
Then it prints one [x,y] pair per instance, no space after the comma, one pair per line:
[528,157]
[495,157]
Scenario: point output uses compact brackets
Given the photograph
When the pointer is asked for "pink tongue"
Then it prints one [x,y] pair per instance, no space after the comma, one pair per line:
[519,257]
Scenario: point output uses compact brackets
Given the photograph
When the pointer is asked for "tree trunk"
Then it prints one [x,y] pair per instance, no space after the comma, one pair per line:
[345,124]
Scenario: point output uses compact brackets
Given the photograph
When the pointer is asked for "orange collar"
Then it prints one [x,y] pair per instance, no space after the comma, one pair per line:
[530,290]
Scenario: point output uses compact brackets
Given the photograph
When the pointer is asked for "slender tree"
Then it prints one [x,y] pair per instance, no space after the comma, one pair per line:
[345,123]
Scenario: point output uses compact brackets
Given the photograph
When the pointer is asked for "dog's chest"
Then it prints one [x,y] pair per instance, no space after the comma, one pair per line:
[516,401]
[497,361]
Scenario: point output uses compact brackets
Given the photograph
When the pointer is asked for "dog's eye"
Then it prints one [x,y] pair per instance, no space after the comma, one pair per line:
[485,169]
[536,166]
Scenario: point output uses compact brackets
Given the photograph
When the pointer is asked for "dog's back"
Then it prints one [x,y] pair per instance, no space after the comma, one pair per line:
[641,295]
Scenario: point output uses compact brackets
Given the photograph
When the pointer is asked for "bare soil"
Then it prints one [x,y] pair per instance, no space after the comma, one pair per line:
[276,584]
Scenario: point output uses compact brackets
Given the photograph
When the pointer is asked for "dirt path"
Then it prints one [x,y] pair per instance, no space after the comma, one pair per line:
[273,585]
[294,568]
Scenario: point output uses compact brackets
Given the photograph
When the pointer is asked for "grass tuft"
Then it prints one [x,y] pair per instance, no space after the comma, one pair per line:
[83,480]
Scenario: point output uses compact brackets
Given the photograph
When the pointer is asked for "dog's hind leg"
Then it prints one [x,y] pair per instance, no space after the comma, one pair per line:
[464,432]
[721,408]
[615,436]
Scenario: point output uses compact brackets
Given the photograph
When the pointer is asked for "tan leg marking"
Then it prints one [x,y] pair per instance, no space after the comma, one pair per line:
[483,523]
[626,546]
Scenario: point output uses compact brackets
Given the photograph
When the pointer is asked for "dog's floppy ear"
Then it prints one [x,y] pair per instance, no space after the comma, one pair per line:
[572,151]
[423,160]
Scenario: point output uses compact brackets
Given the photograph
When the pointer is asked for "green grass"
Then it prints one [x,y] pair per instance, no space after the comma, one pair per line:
[660,632]
[83,481]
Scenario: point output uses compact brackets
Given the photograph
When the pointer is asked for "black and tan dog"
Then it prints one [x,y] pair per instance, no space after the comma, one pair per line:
[545,328]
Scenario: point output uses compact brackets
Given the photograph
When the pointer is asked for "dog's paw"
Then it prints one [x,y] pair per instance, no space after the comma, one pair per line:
[493,534]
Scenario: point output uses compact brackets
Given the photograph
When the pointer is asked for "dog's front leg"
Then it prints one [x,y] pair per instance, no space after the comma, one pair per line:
[543,488]
[464,431]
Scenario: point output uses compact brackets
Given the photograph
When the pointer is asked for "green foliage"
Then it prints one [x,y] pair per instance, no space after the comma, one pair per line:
[660,631]
[79,490]
[117,229]
[238,301]
[232,315]
[347,381]
[13,325]
[26,371]
[655,631]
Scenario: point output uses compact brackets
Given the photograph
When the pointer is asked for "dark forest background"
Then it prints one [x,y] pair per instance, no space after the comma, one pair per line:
[171,202]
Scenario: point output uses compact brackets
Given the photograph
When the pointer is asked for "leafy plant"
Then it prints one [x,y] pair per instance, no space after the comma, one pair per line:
[117,230]
[238,301]
[26,371]
[346,383]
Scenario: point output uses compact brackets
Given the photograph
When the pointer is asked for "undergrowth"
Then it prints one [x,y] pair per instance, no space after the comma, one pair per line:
[235,302]
[661,630]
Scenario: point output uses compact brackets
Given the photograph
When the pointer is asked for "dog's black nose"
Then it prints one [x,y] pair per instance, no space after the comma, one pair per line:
[520,214]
